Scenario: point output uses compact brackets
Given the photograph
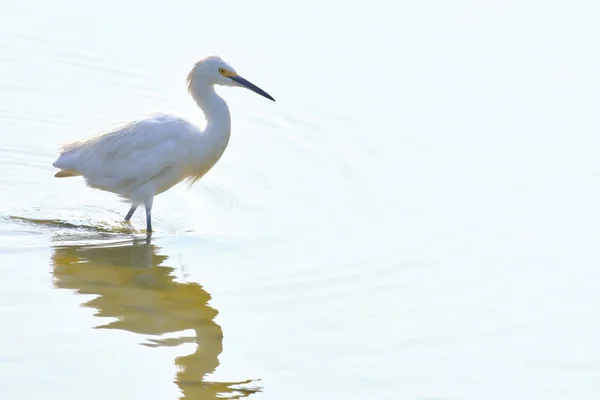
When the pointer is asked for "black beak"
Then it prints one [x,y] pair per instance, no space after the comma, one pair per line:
[251,86]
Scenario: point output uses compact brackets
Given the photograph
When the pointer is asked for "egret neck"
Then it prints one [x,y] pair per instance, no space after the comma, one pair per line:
[216,134]
[215,109]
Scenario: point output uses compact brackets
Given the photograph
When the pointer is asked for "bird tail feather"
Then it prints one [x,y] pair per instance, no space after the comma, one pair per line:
[65,173]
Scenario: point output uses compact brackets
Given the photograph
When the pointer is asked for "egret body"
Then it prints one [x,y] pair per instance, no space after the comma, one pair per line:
[146,157]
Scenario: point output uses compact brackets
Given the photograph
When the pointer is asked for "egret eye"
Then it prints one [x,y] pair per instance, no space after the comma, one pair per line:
[222,71]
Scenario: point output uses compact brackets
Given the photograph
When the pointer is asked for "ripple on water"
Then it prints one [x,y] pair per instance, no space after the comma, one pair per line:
[25,157]
[72,53]
[304,146]
[23,232]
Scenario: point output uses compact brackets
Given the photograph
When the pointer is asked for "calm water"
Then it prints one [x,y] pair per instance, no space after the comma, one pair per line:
[417,217]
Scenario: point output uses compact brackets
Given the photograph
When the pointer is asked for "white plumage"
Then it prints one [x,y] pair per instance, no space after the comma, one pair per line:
[144,158]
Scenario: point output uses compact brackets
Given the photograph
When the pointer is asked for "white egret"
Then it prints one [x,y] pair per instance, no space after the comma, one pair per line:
[146,157]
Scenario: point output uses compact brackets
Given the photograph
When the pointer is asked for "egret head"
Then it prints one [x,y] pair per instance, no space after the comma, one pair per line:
[212,70]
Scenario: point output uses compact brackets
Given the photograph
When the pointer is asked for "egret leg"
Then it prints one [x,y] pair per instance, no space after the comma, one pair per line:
[130,213]
[148,206]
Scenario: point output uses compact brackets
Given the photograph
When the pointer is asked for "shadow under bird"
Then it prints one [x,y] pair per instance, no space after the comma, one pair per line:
[146,157]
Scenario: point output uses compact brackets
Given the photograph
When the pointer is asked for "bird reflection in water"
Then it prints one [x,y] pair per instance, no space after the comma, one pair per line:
[144,297]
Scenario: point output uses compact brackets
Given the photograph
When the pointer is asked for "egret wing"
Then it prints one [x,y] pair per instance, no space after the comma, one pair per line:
[128,157]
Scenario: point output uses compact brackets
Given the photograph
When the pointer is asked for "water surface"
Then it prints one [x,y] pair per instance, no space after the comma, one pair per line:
[416,217]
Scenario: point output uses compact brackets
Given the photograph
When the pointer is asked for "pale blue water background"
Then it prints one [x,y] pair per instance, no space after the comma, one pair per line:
[415,218]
